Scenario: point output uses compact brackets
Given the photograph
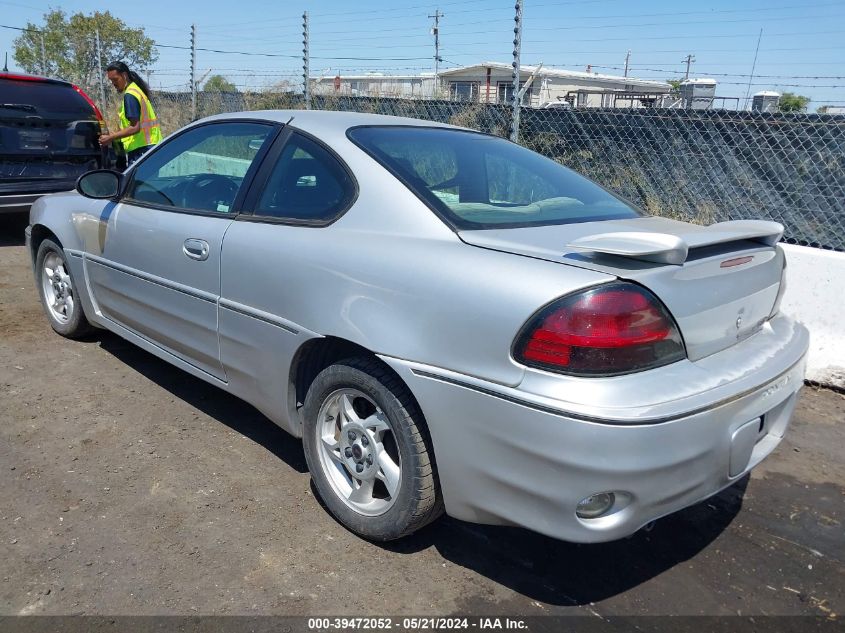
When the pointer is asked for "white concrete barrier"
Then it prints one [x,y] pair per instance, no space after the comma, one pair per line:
[815,296]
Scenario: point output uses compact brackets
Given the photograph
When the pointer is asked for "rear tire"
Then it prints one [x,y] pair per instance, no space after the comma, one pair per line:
[57,290]
[368,451]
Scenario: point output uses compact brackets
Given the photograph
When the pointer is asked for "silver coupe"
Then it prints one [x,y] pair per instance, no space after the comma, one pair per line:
[449,321]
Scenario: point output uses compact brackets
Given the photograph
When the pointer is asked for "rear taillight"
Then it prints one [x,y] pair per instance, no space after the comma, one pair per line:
[614,329]
[90,102]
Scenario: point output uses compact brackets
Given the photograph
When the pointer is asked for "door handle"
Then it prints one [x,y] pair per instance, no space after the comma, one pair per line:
[196,249]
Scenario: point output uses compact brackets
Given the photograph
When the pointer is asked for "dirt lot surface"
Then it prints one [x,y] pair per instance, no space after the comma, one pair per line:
[129,487]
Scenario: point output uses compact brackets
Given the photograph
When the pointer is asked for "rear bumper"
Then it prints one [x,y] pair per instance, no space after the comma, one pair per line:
[508,457]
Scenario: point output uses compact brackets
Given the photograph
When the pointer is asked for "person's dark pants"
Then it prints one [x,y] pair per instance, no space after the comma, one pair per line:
[135,154]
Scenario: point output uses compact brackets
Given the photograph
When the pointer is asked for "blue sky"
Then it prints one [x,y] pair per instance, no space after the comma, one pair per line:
[802,47]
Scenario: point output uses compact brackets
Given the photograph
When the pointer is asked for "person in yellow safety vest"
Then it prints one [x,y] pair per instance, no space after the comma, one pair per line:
[139,127]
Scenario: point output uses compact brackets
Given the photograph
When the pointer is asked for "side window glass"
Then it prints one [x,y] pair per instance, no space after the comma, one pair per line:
[202,169]
[307,183]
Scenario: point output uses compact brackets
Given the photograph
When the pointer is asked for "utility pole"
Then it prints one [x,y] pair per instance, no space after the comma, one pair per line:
[43,57]
[627,59]
[193,72]
[306,62]
[753,67]
[517,49]
[689,59]
[437,59]
[6,65]
[100,71]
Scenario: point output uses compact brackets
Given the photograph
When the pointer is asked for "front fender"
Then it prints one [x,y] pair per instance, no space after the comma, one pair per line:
[78,223]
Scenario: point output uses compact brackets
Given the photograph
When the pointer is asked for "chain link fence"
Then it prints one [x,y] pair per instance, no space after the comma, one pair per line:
[703,166]
[709,165]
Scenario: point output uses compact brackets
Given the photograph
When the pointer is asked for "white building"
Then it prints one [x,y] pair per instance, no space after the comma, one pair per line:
[376,85]
[490,82]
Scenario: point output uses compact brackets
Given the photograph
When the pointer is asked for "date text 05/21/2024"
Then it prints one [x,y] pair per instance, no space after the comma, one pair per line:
[415,623]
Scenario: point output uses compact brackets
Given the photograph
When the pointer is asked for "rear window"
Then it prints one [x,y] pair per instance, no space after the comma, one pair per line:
[475,181]
[42,98]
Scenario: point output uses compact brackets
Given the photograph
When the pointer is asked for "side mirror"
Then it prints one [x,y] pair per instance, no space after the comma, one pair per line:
[99,184]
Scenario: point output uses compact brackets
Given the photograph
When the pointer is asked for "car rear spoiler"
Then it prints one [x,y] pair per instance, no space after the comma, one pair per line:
[672,248]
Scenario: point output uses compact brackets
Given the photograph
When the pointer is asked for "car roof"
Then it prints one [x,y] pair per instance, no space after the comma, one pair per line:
[35,79]
[325,121]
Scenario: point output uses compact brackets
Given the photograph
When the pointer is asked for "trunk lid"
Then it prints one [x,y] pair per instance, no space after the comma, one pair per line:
[720,282]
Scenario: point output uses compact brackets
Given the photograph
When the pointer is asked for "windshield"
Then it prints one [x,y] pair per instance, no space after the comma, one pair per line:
[477,181]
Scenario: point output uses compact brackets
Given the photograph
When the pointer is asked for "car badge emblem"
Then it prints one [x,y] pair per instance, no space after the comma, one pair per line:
[736,261]
[738,322]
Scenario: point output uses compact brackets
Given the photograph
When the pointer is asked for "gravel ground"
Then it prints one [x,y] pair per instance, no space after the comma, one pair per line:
[128,487]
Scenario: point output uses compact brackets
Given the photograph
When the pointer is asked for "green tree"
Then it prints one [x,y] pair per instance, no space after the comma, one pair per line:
[70,46]
[218,83]
[675,83]
[791,102]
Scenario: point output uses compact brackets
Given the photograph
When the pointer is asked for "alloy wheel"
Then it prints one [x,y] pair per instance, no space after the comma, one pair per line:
[58,289]
[358,452]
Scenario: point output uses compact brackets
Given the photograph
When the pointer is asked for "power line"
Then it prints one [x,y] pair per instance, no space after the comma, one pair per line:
[217,69]
[707,12]
[505,6]
[686,37]
[734,36]
[582,27]
[379,37]
[393,9]
[18,28]
[375,59]
[381,15]
[647,65]
[657,70]
[662,37]
[247,30]
[264,25]
[458,34]
[213,50]
[777,84]
[453,25]
[254,54]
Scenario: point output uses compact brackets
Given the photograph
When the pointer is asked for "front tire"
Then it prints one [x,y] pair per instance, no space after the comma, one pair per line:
[58,293]
[368,451]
